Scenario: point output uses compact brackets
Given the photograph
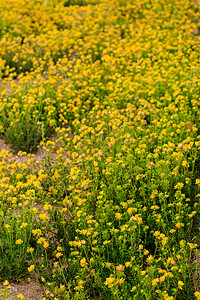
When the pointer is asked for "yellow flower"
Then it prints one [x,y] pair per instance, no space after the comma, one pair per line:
[24,225]
[106,242]
[6,282]
[36,231]
[46,244]
[155,281]
[130,210]
[47,207]
[180,284]
[142,272]
[149,258]
[59,248]
[20,296]
[30,250]
[19,242]
[156,233]
[121,280]
[171,260]
[179,225]
[31,268]
[169,274]
[179,185]
[192,246]
[58,254]
[118,216]
[197,294]
[133,289]
[127,264]
[75,252]
[120,268]
[162,278]
[109,281]
[43,217]
[184,163]
[83,262]
[41,240]
[95,164]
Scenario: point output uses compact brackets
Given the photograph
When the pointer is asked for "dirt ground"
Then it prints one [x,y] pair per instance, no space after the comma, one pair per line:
[196,274]
[30,290]
[38,155]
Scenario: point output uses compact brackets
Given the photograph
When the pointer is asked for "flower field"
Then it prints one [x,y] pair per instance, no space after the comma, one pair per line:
[109,89]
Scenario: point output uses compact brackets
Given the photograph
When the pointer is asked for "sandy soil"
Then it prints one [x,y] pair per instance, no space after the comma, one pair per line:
[30,290]
[38,155]
[196,274]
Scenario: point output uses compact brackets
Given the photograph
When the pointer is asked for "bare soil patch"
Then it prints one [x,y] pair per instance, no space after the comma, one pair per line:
[30,290]
[196,275]
[38,155]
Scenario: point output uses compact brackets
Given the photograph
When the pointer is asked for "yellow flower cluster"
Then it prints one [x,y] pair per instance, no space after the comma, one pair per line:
[109,91]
